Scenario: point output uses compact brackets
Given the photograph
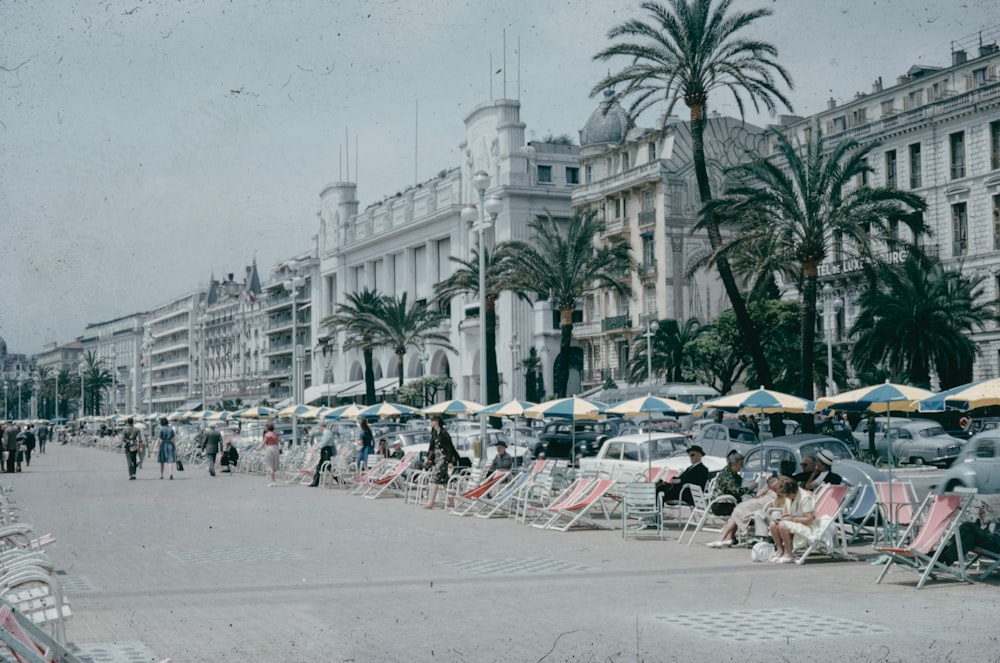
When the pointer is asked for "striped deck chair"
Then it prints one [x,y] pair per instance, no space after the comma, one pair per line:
[940,516]
[359,483]
[830,537]
[392,479]
[503,502]
[896,502]
[27,642]
[466,501]
[571,493]
[576,513]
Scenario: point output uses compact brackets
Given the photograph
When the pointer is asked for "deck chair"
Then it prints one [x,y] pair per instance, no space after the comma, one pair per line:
[576,512]
[702,514]
[567,496]
[993,558]
[896,502]
[359,484]
[830,537]
[466,501]
[502,502]
[940,516]
[641,501]
[27,642]
[37,594]
[391,480]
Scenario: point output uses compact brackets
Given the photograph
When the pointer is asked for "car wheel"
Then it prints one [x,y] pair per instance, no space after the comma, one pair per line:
[916,460]
[952,485]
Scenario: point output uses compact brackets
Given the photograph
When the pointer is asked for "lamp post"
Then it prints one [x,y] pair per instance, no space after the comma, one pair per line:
[147,352]
[20,388]
[292,284]
[82,396]
[650,327]
[114,381]
[831,306]
[481,182]
[6,408]
[515,351]
[203,320]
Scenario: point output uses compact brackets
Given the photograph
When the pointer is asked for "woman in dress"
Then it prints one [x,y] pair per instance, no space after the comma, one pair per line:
[367,441]
[441,457]
[797,522]
[168,452]
[744,512]
[272,450]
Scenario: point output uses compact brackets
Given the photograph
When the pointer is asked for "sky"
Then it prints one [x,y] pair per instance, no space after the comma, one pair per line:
[147,146]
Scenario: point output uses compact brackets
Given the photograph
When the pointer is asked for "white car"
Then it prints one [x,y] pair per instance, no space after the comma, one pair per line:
[977,466]
[629,457]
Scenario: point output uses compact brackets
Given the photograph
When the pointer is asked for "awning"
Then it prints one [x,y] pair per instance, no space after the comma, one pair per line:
[283,403]
[382,385]
[321,391]
[191,405]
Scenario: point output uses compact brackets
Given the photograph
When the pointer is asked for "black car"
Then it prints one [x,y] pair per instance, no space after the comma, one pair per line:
[557,438]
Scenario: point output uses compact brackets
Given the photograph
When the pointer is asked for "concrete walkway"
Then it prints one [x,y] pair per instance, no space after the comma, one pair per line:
[227,569]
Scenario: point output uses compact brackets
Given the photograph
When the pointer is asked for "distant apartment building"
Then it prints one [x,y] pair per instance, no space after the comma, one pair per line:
[403,243]
[641,183]
[117,346]
[288,329]
[938,130]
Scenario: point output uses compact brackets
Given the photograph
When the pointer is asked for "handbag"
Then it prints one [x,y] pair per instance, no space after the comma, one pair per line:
[180,466]
[762,551]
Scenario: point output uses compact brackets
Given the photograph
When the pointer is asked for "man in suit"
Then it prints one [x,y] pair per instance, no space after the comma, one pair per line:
[822,473]
[211,446]
[696,474]
[327,450]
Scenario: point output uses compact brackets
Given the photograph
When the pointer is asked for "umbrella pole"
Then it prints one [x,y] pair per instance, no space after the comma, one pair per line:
[888,428]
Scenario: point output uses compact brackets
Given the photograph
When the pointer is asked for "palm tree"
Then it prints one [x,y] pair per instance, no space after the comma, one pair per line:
[465,280]
[801,211]
[66,391]
[355,317]
[96,378]
[688,50]
[399,325]
[44,377]
[671,347]
[919,318]
[563,265]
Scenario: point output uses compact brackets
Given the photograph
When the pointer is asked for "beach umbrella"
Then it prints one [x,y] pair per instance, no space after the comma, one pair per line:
[256,412]
[220,416]
[983,393]
[572,408]
[759,401]
[177,415]
[302,411]
[649,405]
[349,411]
[454,406]
[387,410]
[512,408]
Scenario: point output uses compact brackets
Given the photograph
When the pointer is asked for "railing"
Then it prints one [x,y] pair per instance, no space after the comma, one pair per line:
[647,218]
[615,322]
[647,268]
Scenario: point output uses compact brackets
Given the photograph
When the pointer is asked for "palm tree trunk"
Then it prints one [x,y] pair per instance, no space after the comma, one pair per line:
[492,375]
[750,336]
[565,341]
[369,377]
[399,367]
[808,331]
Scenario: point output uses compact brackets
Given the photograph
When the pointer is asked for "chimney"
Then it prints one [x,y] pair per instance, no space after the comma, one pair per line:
[877,85]
[831,103]
[958,57]
[987,49]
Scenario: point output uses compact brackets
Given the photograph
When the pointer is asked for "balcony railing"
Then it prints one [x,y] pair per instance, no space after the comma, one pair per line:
[647,218]
[647,268]
[615,322]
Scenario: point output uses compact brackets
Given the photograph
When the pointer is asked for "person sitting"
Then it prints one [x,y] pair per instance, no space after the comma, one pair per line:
[822,473]
[796,523]
[503,460]
[744,512]
[230,457]
[696,474]
[730,482]
[383,448]
[397,451]
[808,470]
[974,534]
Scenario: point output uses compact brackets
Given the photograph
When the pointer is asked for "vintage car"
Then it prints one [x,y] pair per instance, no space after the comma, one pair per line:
[467,443]
[977,466]
[920,442]
[718,439]
[629,457]
[557,437]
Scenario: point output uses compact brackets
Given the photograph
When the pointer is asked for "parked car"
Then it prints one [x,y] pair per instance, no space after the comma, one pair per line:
[557,437]
[838,429]
[719,439]
[466,444]
[921,442]
[977,466]
[626,457]
[767,457]
[791,428]
[881,425]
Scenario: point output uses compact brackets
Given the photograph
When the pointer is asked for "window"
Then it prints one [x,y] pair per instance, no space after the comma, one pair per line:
[915,175]
[652,151]
[959,230]
[890,168]
[618,208]
[648,251]
[996,222]
[979,77]
[625,161]
[676,199]
[887,108]
[839,124]
[545,174]
[572,175]
[995,145]
[863,175]
[622,347]
[859,117]
[589,173]
[649,294]
[956,142]
[914,99]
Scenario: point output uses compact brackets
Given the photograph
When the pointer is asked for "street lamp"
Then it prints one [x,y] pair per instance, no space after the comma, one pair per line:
[515,351]
[20,388]
[830,306]
[201,357]
[650,326]
[292,285]
[114,381]
[147,352]
[481,182]
[81,390]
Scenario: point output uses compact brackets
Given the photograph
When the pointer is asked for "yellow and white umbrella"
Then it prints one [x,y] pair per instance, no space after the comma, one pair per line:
[454,406]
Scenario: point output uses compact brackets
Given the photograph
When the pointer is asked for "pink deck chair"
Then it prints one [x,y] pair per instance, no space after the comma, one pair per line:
[896,503]
[574,513]
[830,537]
[391,479]
[941,515]
[464,502]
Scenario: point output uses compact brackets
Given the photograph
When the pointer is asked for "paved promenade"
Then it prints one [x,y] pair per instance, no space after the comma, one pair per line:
[227,569]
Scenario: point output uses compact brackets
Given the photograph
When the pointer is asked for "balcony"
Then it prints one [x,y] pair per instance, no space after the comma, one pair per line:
[617,226]
[647,269]
[647,218]
[615,322]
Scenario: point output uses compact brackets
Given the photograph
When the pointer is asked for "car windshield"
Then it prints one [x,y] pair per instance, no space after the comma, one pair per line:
[932,431]
[835,447]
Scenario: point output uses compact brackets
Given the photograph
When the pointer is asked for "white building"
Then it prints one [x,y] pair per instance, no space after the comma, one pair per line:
[117,344]
[403,244]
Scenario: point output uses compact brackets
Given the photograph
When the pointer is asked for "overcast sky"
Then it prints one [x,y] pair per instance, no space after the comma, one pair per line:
[145,146]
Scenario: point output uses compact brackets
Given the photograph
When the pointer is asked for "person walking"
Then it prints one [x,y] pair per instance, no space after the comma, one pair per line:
[130,441]
[441,457]
[29,445]
[210,447]
[43,437]
[327,450]
[367,444]
[168,452]
[272,451]
[10,445]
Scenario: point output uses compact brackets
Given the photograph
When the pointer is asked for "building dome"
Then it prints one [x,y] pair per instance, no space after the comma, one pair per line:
[606,124]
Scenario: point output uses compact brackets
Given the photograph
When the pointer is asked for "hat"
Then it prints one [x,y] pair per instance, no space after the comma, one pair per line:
[825,457]
[501,443]
[397,443]
[696,448]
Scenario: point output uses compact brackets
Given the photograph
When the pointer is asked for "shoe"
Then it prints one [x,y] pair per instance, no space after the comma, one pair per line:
[719,544]
[132,478]
[211,474]
[788,559]
[314,485]
[161,477]
[270,485]
[171,477]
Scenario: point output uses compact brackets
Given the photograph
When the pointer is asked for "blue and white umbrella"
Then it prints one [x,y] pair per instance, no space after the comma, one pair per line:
[760,401]
[387,410]
[349,411]
[454,406]
[572,408]
[511,408]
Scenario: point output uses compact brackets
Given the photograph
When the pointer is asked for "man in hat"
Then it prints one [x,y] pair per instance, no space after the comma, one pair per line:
[327,450]
[396,453]
[821,471]
[502,461]
[696,474]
